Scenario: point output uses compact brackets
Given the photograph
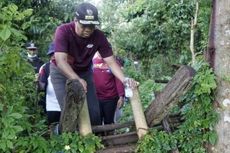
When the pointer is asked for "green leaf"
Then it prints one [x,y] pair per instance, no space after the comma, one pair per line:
[9,144]
[5,33]
[212,138]
[16,115]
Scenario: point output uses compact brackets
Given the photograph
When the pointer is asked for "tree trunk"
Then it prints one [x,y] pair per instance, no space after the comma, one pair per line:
[221,62]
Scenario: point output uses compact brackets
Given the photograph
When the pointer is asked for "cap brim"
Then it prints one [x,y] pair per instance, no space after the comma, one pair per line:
[31,47]
[89,22]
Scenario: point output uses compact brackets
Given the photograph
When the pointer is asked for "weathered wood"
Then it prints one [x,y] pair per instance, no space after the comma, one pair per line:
[84,120]
[130,148]
[111,127]
[120,139]
[177,86]
[138,114]
[74,101]
[173,119]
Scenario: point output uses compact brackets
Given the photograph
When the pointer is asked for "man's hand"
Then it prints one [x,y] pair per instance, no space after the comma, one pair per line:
[120,102]
[84,84]
[131,83]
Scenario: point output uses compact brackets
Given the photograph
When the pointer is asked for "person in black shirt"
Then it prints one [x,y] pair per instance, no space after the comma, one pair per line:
[33,58]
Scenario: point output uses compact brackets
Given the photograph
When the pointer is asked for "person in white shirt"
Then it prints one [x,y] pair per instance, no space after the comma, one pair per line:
[52,107]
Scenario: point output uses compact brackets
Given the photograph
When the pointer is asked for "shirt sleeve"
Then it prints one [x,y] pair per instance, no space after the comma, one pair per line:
[60,41]
[105,48]
[43,74]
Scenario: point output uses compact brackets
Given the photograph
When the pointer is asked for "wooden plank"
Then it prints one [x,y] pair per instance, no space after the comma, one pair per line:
[111,127]
[165,100]
[120,139]
[173,119]
[130,148]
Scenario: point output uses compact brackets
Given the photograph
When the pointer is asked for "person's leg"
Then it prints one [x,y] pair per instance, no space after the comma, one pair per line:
[101,111]
[53,116]
[58,80]
[93,104]
[109,108]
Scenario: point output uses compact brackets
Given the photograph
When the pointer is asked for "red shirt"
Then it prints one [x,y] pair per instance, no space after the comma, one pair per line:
[107,85]
[80,50]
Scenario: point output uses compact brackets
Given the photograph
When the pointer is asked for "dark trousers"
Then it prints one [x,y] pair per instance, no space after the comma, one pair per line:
[59,81]
[53,116]
[108,108]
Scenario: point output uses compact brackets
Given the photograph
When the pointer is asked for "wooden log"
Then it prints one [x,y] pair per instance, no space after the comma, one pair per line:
[120,139]
[177,86]
[173,119]
[111,127]
[130,148]
[84,120]
[74,100]
[138,114]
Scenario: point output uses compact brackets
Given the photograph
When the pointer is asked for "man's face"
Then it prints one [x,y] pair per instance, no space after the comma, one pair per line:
[84,31]
[32,51]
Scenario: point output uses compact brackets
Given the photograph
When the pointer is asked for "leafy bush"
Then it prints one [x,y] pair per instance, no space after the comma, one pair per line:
[22,128]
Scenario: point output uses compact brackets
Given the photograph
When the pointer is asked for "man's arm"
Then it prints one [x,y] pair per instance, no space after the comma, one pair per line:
[115,68]
[63,65]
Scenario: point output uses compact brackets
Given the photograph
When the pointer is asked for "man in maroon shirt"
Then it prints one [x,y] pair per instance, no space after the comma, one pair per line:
[75,45]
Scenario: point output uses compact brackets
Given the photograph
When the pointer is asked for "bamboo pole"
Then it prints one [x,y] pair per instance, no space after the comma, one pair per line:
[139,117]
[84,120]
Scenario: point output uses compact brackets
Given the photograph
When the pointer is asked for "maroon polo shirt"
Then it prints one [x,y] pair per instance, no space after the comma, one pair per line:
[107,85]
[80,50]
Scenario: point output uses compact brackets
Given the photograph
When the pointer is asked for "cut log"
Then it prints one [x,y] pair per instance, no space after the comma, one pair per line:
[173,119]
[138,114]
[165,100]
[111,127]
[120,139]
[130,148]
[74,101]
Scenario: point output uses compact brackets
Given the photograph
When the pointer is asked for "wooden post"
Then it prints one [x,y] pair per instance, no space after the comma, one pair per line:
[84,120]
[139,117]
[75,109]
[169,96]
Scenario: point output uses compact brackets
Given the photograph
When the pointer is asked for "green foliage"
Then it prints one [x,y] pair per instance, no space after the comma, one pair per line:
[147,91]
[200,119]
[156,32]
[22,128]
[67,142]
[157,142]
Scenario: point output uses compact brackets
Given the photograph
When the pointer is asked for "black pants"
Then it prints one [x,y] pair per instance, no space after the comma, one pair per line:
[53,116]
[108,108]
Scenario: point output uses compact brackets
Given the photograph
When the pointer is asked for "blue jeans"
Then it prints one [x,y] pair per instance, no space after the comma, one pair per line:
[59,81]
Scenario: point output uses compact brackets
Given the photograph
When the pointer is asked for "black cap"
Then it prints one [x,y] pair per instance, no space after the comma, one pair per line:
[51,49]
[31,46]
[87,13]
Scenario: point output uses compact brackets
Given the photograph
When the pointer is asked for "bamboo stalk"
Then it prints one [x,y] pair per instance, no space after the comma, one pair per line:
[139,117]
[84,120]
